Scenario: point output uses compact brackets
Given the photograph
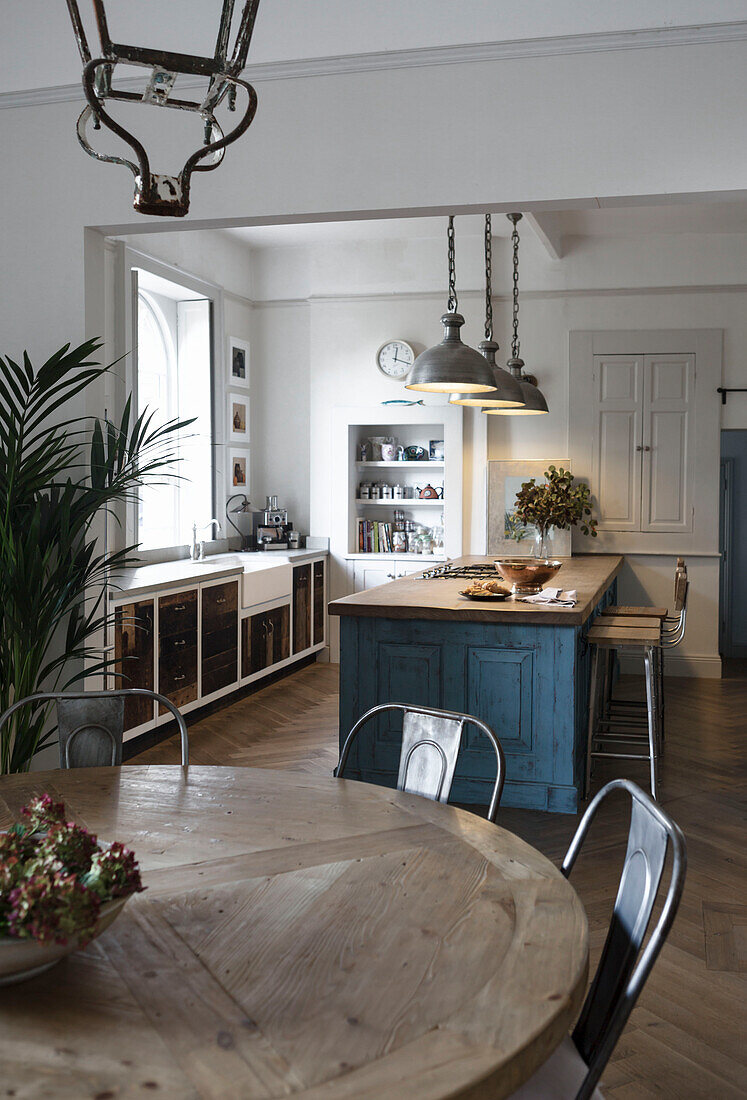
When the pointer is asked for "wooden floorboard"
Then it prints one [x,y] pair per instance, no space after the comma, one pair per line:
[686,1038]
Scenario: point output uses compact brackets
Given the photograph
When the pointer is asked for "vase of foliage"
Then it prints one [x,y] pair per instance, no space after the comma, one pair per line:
[558,504]
[57,477]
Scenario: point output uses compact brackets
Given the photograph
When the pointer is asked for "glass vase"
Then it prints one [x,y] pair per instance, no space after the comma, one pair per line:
[543,543]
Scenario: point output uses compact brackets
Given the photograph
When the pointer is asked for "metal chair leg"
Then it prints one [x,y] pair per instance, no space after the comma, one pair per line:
[652,716]
[660,656]
[593,691]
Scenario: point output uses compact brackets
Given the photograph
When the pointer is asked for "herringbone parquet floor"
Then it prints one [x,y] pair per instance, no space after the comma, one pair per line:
[686,1038]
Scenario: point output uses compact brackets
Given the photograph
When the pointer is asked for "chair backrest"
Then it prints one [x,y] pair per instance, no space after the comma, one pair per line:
[430,748]
[91,724]
[621,974]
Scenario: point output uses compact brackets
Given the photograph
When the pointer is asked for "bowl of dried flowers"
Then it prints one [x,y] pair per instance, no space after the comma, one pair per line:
[60,887]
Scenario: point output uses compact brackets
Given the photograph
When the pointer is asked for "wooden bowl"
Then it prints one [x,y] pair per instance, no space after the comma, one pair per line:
[527,575]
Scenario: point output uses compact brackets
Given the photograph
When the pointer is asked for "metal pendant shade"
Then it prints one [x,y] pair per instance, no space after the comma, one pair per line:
[507,393]
[533,400]
[451,366]
[534,403]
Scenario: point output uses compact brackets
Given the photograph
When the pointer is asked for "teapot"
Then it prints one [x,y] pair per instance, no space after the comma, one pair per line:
[429,493]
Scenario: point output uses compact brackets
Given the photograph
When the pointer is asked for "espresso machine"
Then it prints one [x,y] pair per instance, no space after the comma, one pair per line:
[270,527]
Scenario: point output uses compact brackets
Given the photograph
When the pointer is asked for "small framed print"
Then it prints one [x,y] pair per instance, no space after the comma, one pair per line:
[238,363]
[238,417]
[238,470]
[436,450]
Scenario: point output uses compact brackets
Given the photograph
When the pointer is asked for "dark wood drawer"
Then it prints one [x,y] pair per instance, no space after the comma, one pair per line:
[301,608]
[177,613]
[134,649]
[319,602]
[220,641]
[177,647]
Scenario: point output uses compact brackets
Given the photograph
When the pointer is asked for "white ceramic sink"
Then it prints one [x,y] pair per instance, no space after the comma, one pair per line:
[267,576]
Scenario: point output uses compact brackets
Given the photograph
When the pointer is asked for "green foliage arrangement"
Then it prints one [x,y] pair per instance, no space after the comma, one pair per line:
[558,503]
[57,476]
[54,876]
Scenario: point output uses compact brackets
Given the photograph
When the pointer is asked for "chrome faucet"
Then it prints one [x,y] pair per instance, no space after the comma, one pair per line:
[197,552]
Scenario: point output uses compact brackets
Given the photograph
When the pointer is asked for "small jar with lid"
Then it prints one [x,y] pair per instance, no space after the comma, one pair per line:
[364,490]
[386,492]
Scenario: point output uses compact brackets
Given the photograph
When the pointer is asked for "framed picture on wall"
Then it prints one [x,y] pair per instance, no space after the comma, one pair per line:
[238,470]
[238,363]
[238,417]
[507,535]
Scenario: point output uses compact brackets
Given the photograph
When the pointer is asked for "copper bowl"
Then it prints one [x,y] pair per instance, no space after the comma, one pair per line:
[527,575]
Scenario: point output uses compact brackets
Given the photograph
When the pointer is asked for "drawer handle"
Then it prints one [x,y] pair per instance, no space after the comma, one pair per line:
[271,626]
[179,643]
[179,607]
[221,599]
[180,677]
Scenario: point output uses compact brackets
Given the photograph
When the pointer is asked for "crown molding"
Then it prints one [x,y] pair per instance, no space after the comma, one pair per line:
[655,37]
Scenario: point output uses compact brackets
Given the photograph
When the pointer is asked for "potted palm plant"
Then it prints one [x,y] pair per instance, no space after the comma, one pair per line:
[57,477]
[561,502]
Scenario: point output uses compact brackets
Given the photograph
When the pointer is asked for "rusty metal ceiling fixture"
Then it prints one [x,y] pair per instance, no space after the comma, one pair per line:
[534,399]
[154,193]
[508,391]
[451,366]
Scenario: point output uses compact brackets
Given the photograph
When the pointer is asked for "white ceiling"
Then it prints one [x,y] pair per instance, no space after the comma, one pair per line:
[37,48]
[631,221]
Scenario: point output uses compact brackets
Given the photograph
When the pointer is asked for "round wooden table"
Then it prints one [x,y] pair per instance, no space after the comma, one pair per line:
[320,938]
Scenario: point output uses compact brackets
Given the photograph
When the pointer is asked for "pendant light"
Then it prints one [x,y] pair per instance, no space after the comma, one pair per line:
[451,366]
[534,400]
[508,391]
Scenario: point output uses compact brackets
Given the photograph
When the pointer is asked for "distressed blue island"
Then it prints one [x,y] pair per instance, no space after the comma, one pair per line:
[520,667]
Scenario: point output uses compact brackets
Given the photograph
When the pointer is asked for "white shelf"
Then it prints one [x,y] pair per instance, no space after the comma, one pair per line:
[403,465]
[425,558]
[416,502]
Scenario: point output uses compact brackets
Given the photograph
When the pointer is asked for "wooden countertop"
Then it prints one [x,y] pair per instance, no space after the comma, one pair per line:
[414,598]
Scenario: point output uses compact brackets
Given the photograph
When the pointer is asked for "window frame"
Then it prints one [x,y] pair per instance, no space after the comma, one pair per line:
[130,261]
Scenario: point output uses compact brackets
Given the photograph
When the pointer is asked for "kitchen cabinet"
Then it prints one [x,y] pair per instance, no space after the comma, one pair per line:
[177,647]
[134,654]
[220,636]
[320,605]
[367,574]
[301,608]
[643,446]
[265,639]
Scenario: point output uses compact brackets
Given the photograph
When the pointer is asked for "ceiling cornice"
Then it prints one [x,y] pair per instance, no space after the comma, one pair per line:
[656,37]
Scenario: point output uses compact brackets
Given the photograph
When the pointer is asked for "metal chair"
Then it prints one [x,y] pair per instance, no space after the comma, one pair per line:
[573,1070]
[430,747]
[91,724]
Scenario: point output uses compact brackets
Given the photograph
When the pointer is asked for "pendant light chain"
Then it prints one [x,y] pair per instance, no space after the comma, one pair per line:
[453,302]
[488,279]
[515,337]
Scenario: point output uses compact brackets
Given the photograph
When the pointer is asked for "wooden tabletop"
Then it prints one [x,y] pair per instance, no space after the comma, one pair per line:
[317,938]
[415,598]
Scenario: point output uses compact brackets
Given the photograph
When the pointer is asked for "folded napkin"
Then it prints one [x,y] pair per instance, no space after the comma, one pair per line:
[554,596]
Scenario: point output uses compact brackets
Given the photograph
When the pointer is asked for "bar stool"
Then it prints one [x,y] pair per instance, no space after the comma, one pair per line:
[617,724]
[672,633]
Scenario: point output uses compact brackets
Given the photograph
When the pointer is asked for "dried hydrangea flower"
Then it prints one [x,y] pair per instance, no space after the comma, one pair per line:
[114,873]
[52,907]
[66,847]
[42,812]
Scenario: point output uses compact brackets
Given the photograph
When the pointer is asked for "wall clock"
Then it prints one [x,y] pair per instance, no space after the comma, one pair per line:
[394,359]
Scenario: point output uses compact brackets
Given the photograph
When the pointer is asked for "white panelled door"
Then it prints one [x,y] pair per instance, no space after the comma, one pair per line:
[643,445]
[667,442]
[618,383]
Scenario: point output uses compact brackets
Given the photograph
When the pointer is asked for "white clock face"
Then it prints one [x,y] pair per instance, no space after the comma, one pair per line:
[395,358]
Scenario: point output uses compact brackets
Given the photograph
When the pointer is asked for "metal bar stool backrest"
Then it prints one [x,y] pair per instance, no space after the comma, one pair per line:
[621,974]
[430,747]
[90,724]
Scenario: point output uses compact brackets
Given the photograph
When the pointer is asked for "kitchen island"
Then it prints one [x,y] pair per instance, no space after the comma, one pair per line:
[520,667]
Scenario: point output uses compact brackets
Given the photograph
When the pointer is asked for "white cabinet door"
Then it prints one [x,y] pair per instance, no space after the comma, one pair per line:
[369,574]
[405,568]
[667,443]
[616,431]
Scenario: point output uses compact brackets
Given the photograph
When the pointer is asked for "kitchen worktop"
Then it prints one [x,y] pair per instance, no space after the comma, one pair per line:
[145,579]
[413,597]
